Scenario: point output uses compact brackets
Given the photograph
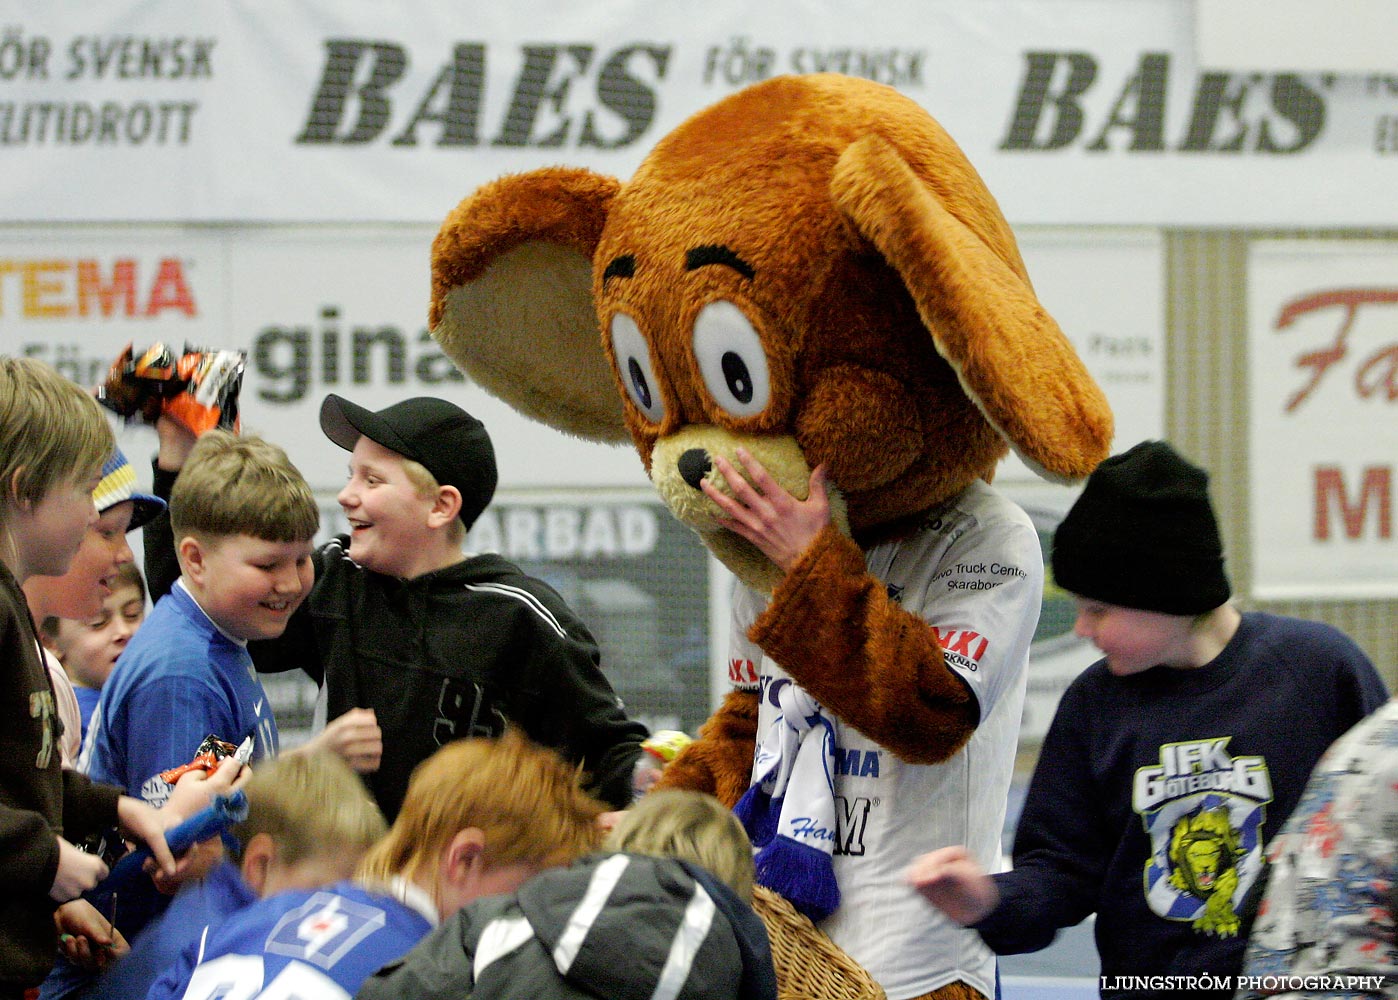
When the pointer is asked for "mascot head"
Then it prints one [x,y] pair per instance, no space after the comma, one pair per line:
[809,269]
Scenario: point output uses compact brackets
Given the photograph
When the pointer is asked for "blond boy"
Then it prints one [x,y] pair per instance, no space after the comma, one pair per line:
[53,441]
[309,823]
[691,826]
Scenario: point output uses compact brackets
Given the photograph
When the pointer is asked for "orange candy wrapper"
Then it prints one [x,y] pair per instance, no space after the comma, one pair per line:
[206,758]
[199,388]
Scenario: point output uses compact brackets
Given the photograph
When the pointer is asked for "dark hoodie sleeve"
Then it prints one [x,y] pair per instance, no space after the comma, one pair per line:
[565,701]
[759,976]
[602,738]
[158,539]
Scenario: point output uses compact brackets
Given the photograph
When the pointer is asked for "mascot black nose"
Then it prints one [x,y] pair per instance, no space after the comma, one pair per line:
[693,464]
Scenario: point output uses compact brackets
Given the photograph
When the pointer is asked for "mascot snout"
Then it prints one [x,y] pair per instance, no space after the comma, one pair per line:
[682,461]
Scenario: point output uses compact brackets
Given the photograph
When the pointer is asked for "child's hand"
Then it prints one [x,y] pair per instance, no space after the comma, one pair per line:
[355,738]
[176,442]
[138,821]
[87,939]
[193,866]
[77,872]
[197,788]
[955,883]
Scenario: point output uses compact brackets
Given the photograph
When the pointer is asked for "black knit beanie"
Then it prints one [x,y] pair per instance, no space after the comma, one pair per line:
[1142,535]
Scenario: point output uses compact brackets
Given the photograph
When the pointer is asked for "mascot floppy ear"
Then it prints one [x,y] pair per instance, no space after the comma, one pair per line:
[1010,356]
[512,288]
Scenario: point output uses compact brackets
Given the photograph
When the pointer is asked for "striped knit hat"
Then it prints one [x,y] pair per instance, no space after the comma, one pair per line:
[118,483]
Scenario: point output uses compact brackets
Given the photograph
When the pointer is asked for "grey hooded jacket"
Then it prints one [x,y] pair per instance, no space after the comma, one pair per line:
[611,927]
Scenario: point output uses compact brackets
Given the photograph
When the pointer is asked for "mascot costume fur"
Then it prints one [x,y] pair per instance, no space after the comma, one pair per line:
[817,331]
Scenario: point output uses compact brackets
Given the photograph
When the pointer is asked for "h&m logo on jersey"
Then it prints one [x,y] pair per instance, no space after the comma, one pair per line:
[323,929]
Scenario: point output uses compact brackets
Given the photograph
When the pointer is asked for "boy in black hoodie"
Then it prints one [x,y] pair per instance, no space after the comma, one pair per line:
[416,642]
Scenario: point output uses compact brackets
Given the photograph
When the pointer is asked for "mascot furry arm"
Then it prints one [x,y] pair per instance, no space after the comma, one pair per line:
[810,270]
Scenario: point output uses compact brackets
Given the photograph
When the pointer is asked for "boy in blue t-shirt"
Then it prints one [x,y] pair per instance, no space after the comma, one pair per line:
[243,520]
[309,822]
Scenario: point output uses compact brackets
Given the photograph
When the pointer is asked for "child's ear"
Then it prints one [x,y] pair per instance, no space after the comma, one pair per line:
[12,494]
[446,507]
[50,643]
[258,856]
[464,857]
[193,558]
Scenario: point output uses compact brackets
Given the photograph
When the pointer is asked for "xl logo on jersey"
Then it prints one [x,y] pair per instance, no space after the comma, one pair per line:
[742,671]
[962,646]
[323,929]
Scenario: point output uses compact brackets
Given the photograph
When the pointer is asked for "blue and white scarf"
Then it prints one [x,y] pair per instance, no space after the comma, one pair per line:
[789,811]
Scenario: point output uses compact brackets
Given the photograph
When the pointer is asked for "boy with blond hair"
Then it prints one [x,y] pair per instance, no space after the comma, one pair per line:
[309,822]
[53,441]
[436,643]
[481,817]
[692,826]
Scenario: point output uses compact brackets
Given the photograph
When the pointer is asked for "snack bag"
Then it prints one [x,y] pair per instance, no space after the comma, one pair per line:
[663,746]
[199,388]
[212,381]
[206,758]
[135,388]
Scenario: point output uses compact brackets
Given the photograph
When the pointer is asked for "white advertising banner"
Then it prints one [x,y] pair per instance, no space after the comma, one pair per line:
[343,309]
[1323,338]
[1078,112]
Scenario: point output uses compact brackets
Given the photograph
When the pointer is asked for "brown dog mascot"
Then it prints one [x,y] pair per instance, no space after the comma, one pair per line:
[816,328]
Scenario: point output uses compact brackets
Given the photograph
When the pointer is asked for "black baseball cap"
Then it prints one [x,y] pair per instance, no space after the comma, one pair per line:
[445,439]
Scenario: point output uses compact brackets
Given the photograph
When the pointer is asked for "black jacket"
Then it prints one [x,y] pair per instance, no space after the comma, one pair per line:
[610,927]
[453,653]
